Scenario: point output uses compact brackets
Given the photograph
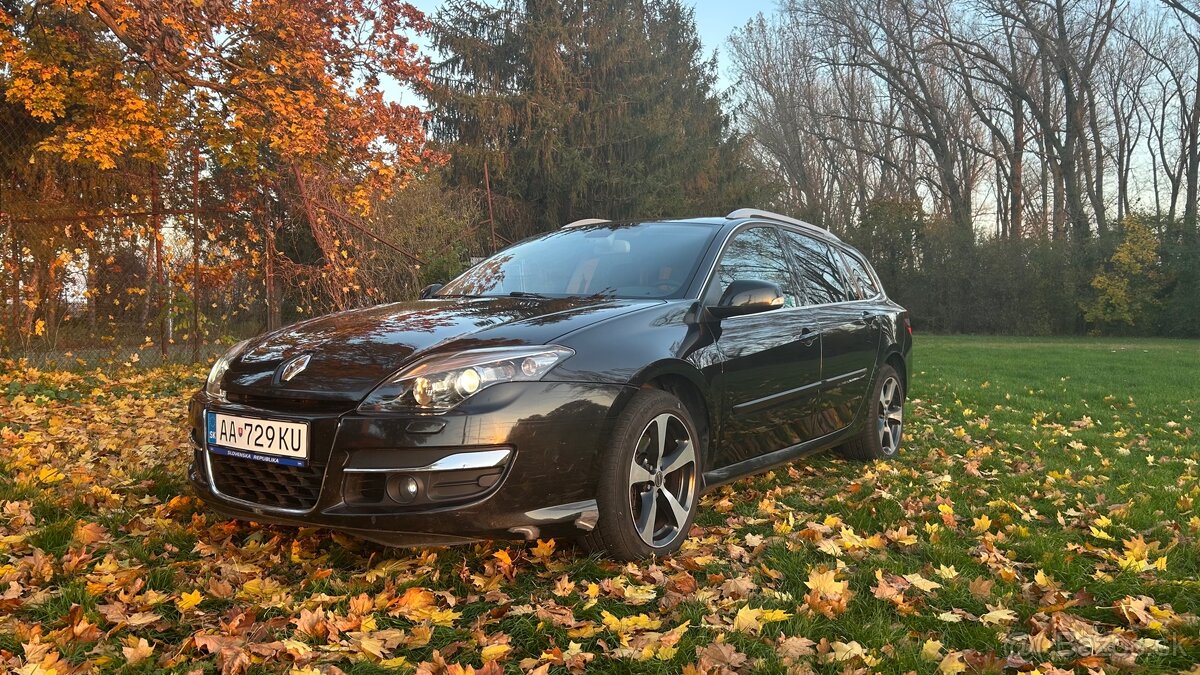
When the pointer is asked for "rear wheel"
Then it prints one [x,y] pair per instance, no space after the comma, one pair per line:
[649,479]
[883,431]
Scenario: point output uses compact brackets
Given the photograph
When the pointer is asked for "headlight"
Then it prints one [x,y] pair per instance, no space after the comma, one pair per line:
[439,383]
[214,387]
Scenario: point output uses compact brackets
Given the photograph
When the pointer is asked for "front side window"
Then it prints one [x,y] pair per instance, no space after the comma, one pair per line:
[820,269]
[755,254]
[643,260]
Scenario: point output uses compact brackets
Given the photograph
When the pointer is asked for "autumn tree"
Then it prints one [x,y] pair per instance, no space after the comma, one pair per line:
[266,93]
[1127,284]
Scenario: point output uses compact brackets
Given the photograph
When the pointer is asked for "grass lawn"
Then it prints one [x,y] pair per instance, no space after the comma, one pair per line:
[1041,516]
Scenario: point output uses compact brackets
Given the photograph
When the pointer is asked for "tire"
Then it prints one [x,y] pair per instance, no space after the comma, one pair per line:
[633,479]
[883,429]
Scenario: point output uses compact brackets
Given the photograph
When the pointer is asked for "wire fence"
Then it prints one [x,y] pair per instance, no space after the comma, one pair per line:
[170,259]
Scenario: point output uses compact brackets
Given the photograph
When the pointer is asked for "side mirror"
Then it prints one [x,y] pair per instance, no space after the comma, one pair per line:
[429,290]
[747,296]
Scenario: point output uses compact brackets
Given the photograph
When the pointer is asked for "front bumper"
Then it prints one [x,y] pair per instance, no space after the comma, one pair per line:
[518,462]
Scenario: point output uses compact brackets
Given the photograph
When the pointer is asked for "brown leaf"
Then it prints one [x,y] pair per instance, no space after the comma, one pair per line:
[981,587]
[213,644]
[312,624]
[136,650]
[795,647]
[720,655]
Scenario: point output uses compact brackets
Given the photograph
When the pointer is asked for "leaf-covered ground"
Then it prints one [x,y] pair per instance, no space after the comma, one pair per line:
[1042,517]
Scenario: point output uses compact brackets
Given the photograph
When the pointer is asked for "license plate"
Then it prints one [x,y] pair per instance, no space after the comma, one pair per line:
[273,441]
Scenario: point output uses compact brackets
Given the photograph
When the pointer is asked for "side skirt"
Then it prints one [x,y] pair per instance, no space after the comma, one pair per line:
[748,467]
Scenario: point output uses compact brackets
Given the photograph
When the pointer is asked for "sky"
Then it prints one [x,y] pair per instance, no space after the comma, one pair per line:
[715,20]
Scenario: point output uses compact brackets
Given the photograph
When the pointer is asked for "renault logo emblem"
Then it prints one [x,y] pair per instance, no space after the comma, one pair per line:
[294,367]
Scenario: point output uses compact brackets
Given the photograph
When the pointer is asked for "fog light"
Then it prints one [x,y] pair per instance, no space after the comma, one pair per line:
[403,489]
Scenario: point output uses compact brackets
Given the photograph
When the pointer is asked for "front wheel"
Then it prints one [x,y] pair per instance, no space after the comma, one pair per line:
[883,430]
[649,485]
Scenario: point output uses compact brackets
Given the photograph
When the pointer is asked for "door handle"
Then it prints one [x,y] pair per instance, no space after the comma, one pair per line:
[867,319]
[808,336]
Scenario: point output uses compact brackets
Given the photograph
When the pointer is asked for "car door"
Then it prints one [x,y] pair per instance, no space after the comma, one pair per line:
[849,329]
[771,361]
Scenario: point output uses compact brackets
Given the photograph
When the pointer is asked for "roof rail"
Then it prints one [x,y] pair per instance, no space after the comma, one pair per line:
[586,221]
[778,217]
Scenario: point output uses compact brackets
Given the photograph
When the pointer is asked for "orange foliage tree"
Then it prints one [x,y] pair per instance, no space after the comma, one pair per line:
[121,91]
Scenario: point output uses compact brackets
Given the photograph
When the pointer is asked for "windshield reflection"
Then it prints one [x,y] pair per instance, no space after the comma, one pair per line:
[642,260]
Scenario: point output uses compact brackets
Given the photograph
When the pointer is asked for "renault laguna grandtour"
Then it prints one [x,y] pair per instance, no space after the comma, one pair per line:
[589,382]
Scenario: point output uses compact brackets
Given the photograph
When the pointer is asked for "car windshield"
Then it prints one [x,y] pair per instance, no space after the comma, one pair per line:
[643,260]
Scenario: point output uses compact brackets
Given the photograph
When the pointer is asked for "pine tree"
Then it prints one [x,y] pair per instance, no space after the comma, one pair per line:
[584,108]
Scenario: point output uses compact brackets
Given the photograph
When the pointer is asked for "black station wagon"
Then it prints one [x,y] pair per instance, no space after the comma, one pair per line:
[592,381]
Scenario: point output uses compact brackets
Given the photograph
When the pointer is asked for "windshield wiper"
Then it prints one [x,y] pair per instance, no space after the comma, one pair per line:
[527,294]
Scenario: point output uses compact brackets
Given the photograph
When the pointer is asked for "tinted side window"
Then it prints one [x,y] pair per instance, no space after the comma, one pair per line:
[861,280]
[819,267]
[756,253]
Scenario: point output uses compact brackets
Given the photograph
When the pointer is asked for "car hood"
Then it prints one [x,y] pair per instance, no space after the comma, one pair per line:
[351,352]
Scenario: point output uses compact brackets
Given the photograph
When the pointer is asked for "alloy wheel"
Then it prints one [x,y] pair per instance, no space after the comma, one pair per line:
[891,415]
[662,480]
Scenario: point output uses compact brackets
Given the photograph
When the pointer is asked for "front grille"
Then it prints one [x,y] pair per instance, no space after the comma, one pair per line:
[271,485]
[290,405]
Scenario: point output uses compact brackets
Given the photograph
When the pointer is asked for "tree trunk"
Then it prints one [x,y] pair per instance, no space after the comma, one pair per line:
[274,315]
[1192,149]
[160,279]
[195,254]
[1016,186]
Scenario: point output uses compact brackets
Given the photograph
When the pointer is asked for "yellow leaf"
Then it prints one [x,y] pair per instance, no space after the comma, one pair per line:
[931,650]
[825,583]
[187,601]
[952,664]
[1042,579]
[844,651]
[773,615]
[640,594]
[544,549]
[493,652]
[48,475]
[998,616]
[747,620]
[921,582]
[629,624]
[439,617]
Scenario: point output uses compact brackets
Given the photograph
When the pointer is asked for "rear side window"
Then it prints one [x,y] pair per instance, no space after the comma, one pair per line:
[862,282]
[820,269]
[755,253]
